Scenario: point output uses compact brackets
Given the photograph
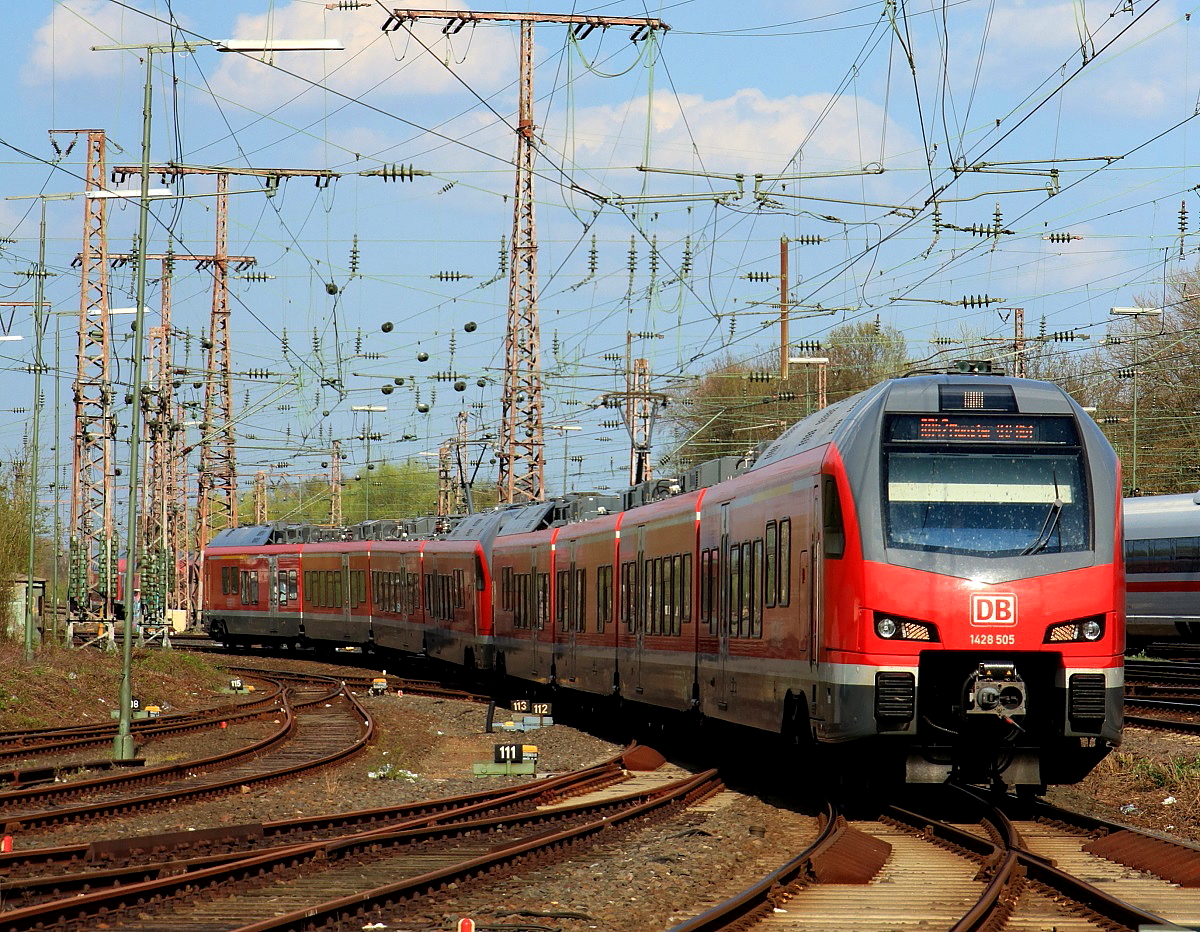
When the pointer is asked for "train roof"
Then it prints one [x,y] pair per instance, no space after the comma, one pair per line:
[253,535]
[1153,516]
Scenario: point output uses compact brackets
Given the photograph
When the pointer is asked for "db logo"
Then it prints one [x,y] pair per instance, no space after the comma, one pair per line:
[994,609]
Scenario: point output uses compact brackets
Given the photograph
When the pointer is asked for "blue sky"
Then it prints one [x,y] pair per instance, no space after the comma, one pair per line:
[884,131]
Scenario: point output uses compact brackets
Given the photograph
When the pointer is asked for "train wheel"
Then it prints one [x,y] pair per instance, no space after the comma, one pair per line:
[218,633]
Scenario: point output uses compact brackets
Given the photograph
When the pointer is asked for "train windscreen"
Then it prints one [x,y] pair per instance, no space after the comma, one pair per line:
[998,486]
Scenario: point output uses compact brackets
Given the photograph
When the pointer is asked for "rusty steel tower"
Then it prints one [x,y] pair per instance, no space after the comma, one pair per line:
[93,550]
[521,449]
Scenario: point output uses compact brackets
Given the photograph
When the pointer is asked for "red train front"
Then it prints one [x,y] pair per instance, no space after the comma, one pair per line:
[966,605]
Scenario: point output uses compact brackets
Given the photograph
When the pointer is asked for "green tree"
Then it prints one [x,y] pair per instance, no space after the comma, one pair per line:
[14,538]
[736,405]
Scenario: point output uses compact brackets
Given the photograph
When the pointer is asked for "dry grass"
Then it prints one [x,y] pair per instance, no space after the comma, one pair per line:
[62,686]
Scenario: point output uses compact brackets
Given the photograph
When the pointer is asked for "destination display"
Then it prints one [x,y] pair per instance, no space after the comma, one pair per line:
[967,428]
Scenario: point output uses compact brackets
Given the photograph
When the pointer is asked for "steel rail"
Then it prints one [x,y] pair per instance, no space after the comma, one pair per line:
[24,820]
[83,910]
[744,909]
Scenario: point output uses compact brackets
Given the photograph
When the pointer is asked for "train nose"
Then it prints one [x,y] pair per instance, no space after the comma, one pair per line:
[996,689]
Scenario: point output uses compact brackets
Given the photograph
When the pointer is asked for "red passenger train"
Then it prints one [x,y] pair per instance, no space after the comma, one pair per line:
[930,571]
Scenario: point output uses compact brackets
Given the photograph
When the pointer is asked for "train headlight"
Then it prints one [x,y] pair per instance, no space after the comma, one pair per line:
[894,628]
[1082,629]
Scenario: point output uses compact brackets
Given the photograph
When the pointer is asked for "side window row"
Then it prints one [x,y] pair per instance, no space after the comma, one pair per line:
[752,575]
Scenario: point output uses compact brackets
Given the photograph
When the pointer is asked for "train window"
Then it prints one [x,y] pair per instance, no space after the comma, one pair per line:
[281,587]
[735,590]
[831,519]
[706,589]
[667,596]
[358,580]
[756,590]
[460,589]
[543,615]
[785,562]
[1187,555]
[654,597]
[685,589]
[671,571]
[293,585]
[579,603]
[224,580]
[560,595]
[603,596]
[628,584]
[749,600]
[986,500]
[772,560]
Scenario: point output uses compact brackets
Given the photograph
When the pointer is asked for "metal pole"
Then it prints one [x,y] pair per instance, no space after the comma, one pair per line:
[784,336]
[38,296]
[123,745]
[57,472]
[1136,334]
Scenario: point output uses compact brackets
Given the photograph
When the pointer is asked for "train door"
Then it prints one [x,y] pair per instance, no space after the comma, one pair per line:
[539,608]
[812,595]
[347,582]
[811,567]
[641,599]
[273,594]
[569,612]
[724,612]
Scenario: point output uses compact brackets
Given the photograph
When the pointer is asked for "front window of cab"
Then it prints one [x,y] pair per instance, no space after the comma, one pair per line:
[990,486]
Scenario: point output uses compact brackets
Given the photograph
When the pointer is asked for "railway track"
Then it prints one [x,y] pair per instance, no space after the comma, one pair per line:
[319,723]
[1023,866]
[377,875]
[27,744]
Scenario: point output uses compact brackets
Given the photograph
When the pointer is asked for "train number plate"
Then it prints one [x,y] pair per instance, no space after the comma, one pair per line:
[993,609]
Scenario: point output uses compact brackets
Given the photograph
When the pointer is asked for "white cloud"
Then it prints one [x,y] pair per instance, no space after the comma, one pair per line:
[744,132]
[62,46]
[375,64]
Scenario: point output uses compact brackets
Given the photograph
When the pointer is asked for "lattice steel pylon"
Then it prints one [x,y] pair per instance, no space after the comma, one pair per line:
[160,565]
[93,549]
[217,503]
[521,449]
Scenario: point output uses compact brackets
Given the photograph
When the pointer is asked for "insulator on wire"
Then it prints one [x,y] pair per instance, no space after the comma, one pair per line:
[1061,237]
[396,172]
[758,276]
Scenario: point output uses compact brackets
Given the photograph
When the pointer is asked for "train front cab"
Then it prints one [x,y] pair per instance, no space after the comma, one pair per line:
[251,589]
[457,603]
[974,623]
